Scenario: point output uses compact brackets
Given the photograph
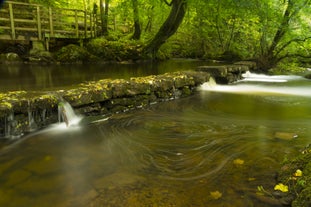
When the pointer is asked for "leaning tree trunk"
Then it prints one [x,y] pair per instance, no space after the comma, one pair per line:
[137,26]
[168,28]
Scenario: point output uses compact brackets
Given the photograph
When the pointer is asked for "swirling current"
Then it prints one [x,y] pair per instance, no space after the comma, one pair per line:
[210,149]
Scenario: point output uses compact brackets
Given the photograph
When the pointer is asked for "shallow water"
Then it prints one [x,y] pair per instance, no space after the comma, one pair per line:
[210,149]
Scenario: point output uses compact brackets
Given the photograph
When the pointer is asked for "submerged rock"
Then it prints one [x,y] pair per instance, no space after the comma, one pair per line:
[285,135]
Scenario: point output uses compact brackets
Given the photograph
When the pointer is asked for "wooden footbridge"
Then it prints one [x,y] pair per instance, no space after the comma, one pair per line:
[33,22]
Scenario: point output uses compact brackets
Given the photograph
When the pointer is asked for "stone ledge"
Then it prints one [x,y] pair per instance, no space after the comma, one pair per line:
[23,111]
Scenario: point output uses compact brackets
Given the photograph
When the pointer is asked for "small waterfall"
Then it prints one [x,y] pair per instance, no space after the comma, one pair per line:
[31,122]
[9,126]
[66,114]
[210,84]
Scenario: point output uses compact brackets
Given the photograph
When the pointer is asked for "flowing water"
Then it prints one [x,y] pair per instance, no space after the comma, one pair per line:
[211,149]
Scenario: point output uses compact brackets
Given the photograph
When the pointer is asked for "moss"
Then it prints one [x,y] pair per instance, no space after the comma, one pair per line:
[74,54]
[299,186]
[115,50]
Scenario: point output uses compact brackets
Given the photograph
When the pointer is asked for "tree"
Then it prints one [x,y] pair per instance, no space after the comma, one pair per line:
[275,48]
[169,27]
[137,25]
[104,10]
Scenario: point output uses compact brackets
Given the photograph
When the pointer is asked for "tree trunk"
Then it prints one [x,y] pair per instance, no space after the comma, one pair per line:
[104,16]
[137,26]
[168,28]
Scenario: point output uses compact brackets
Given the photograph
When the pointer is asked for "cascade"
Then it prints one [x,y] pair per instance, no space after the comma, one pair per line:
[262,84]
[9,125]
[66,114]
[31,122]
[253,77]
[210,84]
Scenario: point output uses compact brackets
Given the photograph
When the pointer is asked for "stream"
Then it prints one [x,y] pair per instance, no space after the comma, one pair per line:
[210,149]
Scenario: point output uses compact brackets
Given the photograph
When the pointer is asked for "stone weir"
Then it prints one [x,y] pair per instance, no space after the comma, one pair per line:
[22,112]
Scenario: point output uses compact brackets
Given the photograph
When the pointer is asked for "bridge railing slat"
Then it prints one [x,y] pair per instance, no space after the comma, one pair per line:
[23,20]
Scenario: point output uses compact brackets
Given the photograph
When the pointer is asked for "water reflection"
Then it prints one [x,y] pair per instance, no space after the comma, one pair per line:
[170,154]
[49,77]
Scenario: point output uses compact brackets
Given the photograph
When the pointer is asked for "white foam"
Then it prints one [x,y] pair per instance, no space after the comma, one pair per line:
[252,88]
[67,114]
[253,77]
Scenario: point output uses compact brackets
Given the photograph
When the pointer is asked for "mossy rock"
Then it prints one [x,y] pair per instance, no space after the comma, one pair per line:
[74,54]
[308,76]
[115,50]
[299,187]
[10,58]
[37,55]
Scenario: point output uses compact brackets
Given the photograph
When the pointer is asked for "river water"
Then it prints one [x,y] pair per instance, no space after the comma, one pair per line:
[211,149]
[49,77]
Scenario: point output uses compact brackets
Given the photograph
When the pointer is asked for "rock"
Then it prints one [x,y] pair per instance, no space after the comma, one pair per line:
[40,56]
[308,76]
[103,96]
[10,58]
[285,135]
[74,54]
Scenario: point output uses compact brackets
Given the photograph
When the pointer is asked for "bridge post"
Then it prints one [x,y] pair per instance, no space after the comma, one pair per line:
[85,25]
[39,23]
[12,21]
[51,22]
[91,25]
[76,23]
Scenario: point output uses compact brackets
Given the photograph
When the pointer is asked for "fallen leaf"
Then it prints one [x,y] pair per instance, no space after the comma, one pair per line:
[238,162]
[47,158]
[298,173]
[216,194]
[281,187]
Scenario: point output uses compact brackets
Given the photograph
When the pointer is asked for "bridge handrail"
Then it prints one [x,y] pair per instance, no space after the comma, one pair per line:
[74,23]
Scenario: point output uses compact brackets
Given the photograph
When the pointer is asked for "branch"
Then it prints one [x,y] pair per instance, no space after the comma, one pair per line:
[292,55]
[295,40]
[169,4]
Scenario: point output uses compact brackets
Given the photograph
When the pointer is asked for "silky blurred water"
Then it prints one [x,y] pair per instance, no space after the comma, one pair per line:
[178,153]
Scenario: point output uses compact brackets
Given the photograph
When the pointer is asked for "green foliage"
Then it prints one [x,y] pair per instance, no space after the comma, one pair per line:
[115,50]
[75,54]
[288,67]
[269,31]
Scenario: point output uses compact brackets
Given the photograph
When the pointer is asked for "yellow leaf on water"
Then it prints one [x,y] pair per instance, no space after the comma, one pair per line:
[298,173]
[47,158]
[216,194]
[238,162]
[281,187]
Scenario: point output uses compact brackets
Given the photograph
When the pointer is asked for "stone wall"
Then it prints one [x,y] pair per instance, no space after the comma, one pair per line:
[22,112]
